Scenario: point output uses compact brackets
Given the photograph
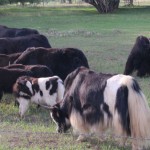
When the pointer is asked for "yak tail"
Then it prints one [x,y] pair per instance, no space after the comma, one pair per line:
[139,114]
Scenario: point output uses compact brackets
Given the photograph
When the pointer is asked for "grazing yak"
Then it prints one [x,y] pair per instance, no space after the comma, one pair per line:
[45,91]
[94,102]
[6,60]
[14,32]
[8,77]
[60,61]
[37,70]
[139,58]
[20,44]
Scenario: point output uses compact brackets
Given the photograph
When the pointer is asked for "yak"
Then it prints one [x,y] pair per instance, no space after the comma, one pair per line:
[46,91]
[37,70]
[94,102]
[8,77]
[139,58]
[15,32]
[61,61]
[6,60]
[21,43]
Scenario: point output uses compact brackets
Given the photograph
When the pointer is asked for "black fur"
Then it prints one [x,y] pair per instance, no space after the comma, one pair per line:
[136,86]
[41,93]
[84,91]
[6,60]
[60,61]
[139,58]
[47,85]
[54,86]
[37,70]
[21,85]
[35,87]
[122,108]
[14,32]
[20,44]
[9,77]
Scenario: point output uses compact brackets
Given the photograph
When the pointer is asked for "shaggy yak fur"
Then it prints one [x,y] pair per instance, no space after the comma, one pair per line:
[60,61]
[94,102]
[45,91]
[21,43]
[14,32]
[8,77]
[6,60]
[37,70]
[139,58]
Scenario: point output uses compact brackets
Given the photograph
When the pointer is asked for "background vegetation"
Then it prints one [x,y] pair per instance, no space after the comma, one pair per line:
[106,40]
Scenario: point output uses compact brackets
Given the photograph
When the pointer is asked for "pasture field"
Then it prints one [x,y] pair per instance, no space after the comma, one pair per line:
[106,40]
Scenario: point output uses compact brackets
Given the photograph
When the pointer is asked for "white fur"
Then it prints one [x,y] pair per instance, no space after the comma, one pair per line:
[139,113]
[23,105]
[29,85]
[46,99]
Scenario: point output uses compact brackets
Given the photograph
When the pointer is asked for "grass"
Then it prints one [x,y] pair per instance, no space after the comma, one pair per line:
[106,40]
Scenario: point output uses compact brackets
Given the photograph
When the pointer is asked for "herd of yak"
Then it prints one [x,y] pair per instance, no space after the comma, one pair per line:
[60,79]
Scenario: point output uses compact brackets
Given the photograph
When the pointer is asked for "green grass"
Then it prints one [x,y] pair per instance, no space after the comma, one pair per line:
[106,41]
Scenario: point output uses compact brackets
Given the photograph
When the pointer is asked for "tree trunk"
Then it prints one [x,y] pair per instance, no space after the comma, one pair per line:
[104,6]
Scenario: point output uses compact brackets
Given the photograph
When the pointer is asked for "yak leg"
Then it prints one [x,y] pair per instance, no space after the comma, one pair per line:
[23,106]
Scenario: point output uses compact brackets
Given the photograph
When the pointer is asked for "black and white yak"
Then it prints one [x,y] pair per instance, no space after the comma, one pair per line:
[41,91]
[94,102]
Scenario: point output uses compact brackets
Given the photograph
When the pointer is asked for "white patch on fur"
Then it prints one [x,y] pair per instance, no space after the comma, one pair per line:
[46,98]
[78,123]
[23,105]
[53,118]
[139,113]
[84,129]
[23,94]
[29,85]
[138,109]
[60,91]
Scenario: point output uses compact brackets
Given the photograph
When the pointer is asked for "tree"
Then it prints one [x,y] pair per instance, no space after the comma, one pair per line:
[104,6]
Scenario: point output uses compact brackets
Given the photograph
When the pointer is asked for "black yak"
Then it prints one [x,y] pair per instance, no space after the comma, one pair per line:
[139,58]
[6,60]
[8,77]
[37,70]
[21,43]
[14,32]
[61,61]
